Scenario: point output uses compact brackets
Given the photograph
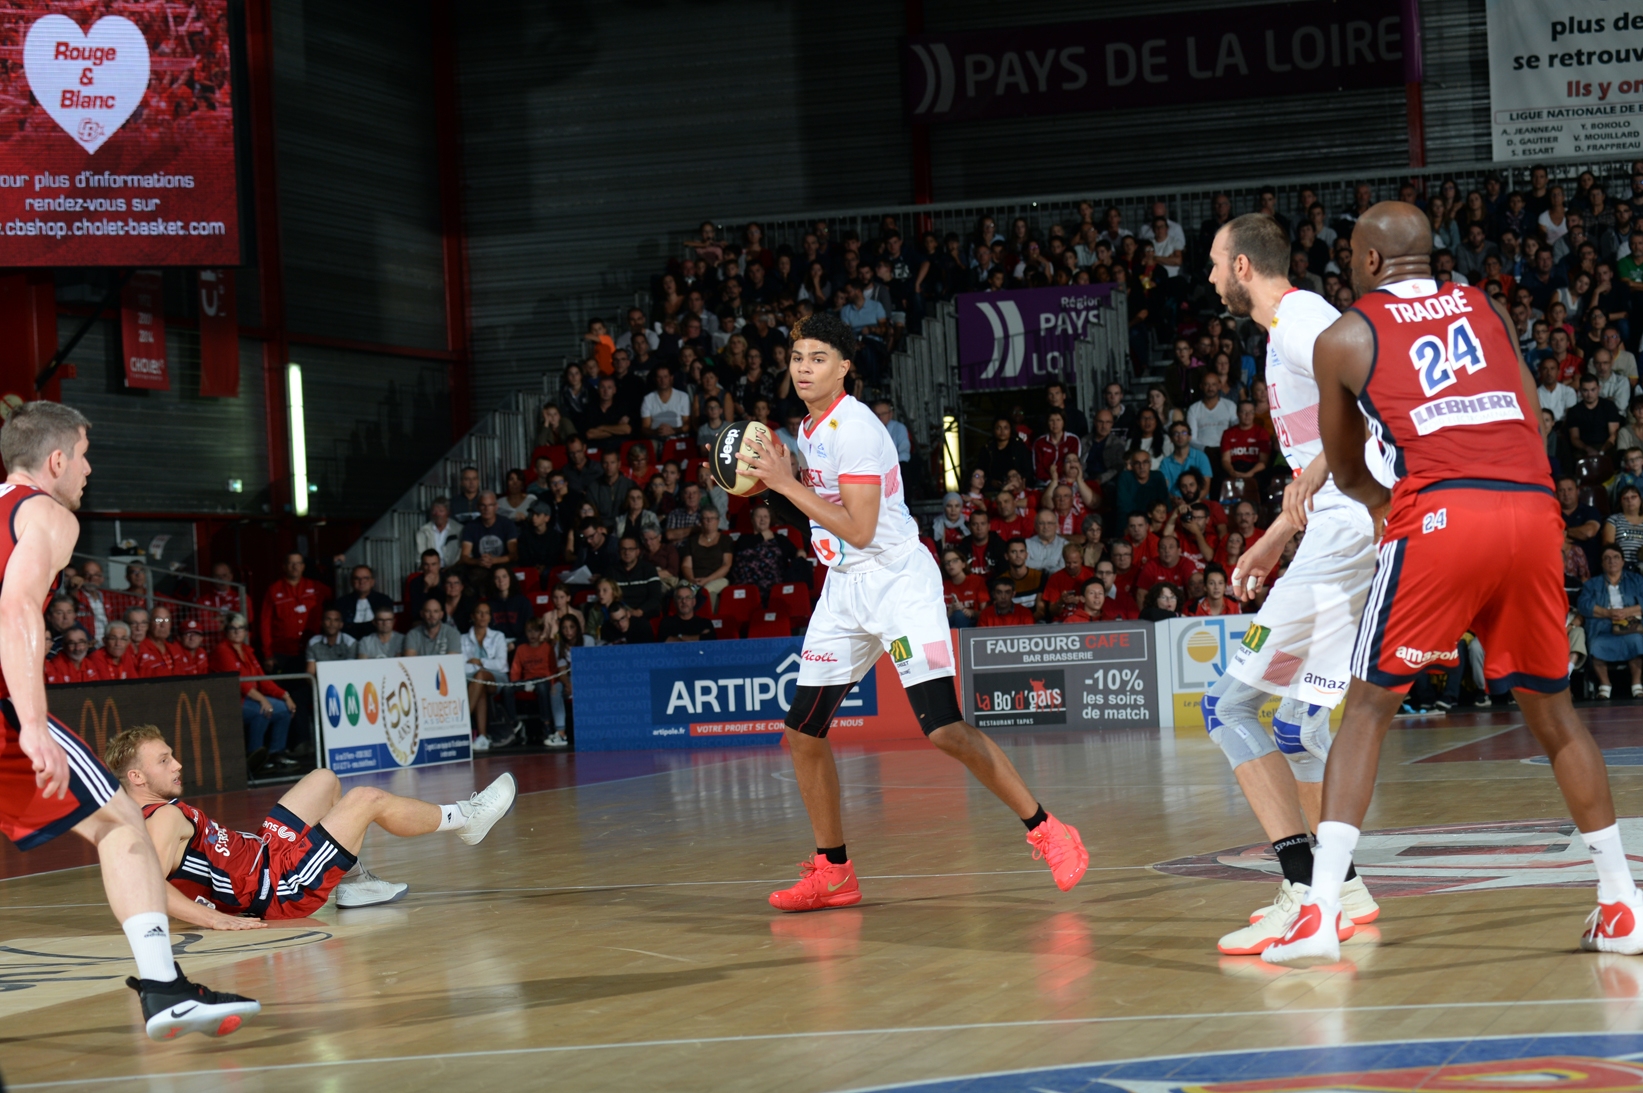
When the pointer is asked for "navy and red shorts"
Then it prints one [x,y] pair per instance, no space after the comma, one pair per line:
[1469,555]
[304,864]
[27,817]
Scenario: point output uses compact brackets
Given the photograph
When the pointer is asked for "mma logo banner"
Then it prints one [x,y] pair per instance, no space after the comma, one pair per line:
[387,714]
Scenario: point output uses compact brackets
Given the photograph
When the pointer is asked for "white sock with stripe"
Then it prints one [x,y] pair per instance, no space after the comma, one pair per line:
[1614,872]
[453,817]
[150,937]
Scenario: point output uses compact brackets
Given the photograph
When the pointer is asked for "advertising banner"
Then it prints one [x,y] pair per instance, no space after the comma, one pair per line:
[199,715]
[1157,60]
[1192,654]
[219,335]
[142,332]
[118,147]
[1024,337]
[1565,79]
[1059,677]
[387,714]
[717,694]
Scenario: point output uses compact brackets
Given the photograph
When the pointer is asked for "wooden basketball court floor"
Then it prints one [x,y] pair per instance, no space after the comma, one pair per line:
[613,934]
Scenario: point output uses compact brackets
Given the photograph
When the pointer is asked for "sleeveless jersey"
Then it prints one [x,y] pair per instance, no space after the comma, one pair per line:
[224,869]
[13,495]
[1445,389]
[846,444]
[1292,391]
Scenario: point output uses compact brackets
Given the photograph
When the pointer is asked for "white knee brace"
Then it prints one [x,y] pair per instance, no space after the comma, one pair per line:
[1302,732]
[1232,717]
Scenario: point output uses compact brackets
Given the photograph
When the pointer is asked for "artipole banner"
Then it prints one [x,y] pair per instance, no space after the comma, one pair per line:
[1565,79]
[1024,337]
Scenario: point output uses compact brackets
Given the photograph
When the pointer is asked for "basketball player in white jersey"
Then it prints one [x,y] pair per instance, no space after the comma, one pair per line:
[884,593]
[1300,645]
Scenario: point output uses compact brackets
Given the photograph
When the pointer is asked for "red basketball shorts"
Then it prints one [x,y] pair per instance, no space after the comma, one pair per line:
[1484,557]
[27,817]
[304,864]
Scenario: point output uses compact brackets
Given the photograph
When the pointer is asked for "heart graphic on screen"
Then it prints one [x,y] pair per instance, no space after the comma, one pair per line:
[88,82]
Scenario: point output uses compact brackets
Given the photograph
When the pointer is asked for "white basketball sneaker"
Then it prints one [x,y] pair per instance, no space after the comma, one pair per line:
[366,889]
[485,808]
[1616,927]
[1315,932]
[1273,922]
[1356,902]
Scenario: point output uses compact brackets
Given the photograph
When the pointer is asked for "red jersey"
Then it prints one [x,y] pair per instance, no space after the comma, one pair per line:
[1445,390]
[1048,453]
[185,663]
[969,593]
[62,669]
[1019,526]
[290,615]
[1229,606]
[245,662]
[154,659]
[107,667]
[1064,591]
[224,869]
[12,496]
[1155,571]
[1247,447]
[1110,612]
[1016,616]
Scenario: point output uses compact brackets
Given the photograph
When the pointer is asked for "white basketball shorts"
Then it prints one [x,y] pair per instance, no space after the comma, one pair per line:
[896,606]
[1300,645]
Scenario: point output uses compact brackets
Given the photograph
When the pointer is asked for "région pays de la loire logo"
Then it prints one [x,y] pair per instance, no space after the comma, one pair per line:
[89,82]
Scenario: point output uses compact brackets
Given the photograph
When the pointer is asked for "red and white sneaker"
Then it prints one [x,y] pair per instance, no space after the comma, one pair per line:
[1356,903]
[1314,933]
[1616,927]
[821,885]
[1059,845]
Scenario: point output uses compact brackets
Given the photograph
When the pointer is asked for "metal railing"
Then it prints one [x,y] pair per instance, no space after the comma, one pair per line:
[499,442]
[210,617]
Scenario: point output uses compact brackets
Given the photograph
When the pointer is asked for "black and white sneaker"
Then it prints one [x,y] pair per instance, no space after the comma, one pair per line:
[178,1007]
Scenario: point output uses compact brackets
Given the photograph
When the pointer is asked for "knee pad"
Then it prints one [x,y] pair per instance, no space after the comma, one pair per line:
[934,703]
[813,707]
[1232,718]
[1302,733]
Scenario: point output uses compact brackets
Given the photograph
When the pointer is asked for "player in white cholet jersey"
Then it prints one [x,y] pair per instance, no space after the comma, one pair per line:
[883,594]
[847,443]
[1300,646]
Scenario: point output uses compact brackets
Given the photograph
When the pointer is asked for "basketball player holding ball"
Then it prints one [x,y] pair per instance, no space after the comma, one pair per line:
[884,593]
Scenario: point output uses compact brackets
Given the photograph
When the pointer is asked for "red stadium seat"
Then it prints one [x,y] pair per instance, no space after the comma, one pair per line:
[739,602]
[541,604]
[719,627]
[791,534]
[553,453]
[582,599]
[528,580]
[792,600]
[818,577]
[555,575]
[675,447]
[770,624]
[629,445]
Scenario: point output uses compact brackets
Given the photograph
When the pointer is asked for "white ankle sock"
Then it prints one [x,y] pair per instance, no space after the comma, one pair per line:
[1614,874]
[150,937]
[453,817]
[1331,858]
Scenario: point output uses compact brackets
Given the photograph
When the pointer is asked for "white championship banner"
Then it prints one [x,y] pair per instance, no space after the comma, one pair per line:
[387,714]
[1565,79]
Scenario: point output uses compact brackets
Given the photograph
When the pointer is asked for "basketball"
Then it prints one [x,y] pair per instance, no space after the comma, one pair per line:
[731,446]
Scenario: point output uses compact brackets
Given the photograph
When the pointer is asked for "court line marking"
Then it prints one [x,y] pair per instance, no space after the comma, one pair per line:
[656,884]
[1467,744]
[826,1034]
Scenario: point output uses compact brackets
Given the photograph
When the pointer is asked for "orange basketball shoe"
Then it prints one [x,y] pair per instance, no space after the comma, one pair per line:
[1059,845]
[821,885]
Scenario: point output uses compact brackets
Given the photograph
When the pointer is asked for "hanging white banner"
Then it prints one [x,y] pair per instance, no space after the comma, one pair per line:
[1565,79]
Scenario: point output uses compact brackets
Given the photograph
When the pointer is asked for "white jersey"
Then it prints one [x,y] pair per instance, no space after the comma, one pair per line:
[846,444]
[1292,391]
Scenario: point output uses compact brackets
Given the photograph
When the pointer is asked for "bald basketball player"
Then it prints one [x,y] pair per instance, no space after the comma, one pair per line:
[1473,542]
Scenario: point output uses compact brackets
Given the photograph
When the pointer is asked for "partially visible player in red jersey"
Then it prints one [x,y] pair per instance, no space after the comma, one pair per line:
[1472,542]
[308,845]
[50,782]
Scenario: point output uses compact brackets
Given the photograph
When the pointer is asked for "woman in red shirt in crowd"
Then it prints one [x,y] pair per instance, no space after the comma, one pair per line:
[264,705]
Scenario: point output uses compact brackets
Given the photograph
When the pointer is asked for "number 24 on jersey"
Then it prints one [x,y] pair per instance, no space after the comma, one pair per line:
[1438,359]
